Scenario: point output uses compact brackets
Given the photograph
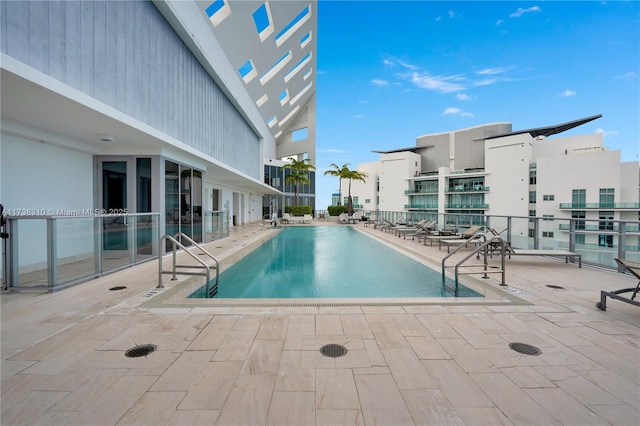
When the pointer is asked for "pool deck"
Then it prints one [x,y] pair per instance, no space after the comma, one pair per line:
[417,361]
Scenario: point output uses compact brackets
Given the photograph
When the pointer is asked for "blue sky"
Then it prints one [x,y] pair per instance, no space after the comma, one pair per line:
[389,72]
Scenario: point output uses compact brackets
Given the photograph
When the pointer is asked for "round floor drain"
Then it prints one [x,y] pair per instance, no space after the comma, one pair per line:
[120,287]
[555,286]
[523,348]
[140,350]
[333,350]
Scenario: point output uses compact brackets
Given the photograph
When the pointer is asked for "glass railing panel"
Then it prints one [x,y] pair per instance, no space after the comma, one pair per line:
[146,236]
[75,248]
[117,241]
[216,225]
[31,240]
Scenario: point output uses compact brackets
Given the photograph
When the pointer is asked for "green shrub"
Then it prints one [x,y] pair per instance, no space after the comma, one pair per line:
[298,210]
[336,210]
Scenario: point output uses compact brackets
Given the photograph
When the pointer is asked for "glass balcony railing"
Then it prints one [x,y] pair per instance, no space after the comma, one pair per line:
[465,188]
[611,228]
[466,206]
[418,206]
[421,191]
[575,206]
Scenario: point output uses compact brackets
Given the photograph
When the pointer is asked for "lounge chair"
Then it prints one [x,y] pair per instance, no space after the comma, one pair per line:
[307,218]
[465,235]
[634,269]
[343,218]
[371,220]
[512,251]
[422,227]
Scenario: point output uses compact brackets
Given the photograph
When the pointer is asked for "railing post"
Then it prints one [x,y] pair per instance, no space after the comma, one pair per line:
[52,264]
[622,241]
[160,263]
[572,235]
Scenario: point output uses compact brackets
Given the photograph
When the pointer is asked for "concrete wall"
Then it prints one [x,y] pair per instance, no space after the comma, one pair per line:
[395,170]
[127,56]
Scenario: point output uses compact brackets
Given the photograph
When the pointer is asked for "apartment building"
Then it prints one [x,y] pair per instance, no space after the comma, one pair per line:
[492,170]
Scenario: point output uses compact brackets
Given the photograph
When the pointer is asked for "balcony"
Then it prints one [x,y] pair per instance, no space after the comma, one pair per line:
[467,206]
[599,206]
[421,191]
[421,207]
[463,188]
[566,227]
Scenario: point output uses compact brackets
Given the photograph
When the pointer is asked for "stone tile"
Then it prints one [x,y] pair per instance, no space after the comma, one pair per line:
[381,401]
[615,384]
[407,370]
[374,353]
[372,370]
[356,324]
[11,368]
[430,407]
[183,372]
[193,418]
[612,343]
[527,377]
[562,335]
[339,417]
[85,393]
[617,414]
[406,322]
[248,323]
[210,338]
[153,408]
[354,359]
[487,324]
[235,346]
[614,362]
[519,407]
[564,408]
[555,372]
[586,392]
[314,359]
[292,408]
[296,332]
[293,378]
[248,401]
[438,327]
[388,335]
[32,407]
[456,385]
[476,361]
[274,327]
[263,358]
[211,389]
[336,390]
[329,325]
[482,416]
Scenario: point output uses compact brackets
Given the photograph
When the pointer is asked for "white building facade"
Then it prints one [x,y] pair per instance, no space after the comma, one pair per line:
[165,107]
[490,170]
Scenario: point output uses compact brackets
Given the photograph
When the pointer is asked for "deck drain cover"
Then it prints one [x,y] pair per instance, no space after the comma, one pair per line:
[555,286]
[140,350]
[333,350]
[120,287]
[523,348]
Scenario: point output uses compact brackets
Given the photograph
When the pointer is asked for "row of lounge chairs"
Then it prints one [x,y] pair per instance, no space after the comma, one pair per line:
[287,218]
[426,230]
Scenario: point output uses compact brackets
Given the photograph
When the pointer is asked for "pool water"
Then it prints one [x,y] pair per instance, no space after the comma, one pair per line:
[330,262]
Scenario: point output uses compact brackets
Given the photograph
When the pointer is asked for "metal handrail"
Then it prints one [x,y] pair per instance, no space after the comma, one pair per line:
[484,248]
[211,291]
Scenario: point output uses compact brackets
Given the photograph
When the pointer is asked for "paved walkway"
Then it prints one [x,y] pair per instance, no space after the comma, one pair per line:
[408,362]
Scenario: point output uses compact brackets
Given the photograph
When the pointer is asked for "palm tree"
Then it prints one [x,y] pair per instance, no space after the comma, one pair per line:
[355,175]
[299,173]
[339,172]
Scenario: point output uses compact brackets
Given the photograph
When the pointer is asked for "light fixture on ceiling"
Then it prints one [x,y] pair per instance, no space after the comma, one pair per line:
[106,138]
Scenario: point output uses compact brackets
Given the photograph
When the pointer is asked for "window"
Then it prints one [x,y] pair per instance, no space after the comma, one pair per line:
[548,216]
[606,197]
[579,238]
[547,234]
[605,224]
[367,200]
[533,177]
[532,213]
[532,196]
[579,214]
[578,197]
[548,197]
[531,234]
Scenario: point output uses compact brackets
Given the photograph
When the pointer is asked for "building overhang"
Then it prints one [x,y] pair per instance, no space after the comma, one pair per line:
[547,130]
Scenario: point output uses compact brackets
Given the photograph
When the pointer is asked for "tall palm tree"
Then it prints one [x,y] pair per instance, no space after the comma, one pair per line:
[299,173]
[355,175]
[341,173]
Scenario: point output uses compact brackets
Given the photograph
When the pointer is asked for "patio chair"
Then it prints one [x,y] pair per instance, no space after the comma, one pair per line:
[286,218]
[465,235]
[371,220]
[307,218]
[634,269]
[413,228]
[343,217]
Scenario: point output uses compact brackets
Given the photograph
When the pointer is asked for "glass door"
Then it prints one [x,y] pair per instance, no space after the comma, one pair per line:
[116,191]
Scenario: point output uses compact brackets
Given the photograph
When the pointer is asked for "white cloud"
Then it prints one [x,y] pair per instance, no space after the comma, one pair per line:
[358,116]
[333,151]
[451,14]
[388,63]
[494,70]
[456,111]
[629,75]
[499,21]
[409,66]
[568,92]
[486,82]
[379,83]
[606,133]
[442,84]
[438,18]
[518,13]
[463,97]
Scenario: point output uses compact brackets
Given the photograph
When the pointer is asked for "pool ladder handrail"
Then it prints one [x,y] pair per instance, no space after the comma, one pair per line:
[211,290]
[484,247]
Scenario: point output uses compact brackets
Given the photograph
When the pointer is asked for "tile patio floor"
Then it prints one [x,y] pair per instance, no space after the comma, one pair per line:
[423,362]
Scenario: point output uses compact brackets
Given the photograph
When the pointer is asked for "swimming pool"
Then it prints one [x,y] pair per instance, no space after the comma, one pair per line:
[330,262]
